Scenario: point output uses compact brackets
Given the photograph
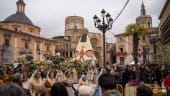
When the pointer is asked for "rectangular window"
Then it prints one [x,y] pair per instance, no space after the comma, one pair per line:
[143,38]
[26,45]
[122,60]
[121,49]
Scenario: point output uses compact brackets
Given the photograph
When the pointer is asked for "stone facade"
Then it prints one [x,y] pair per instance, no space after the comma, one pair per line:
[164,25]
[19,37]
[124,44]
[22,37]
[74,29]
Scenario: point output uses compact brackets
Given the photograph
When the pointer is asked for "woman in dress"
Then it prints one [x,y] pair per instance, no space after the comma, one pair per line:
[83,81]
[51,78]
[60,76]
[37,86]
[75,75]
[49,82]
[69,84]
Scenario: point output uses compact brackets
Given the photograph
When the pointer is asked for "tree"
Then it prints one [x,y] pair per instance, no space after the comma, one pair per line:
[162,55]
[136,31]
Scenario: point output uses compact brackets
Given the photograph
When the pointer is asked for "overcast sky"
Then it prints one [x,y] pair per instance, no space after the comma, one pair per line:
[50,15]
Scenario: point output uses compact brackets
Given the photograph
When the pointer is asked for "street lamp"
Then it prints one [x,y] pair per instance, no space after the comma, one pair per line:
[103,26]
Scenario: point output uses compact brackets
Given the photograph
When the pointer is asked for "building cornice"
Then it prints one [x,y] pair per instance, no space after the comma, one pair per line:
[26,34]
[163,9]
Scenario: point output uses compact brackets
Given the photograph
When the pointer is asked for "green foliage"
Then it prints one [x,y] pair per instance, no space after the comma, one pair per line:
[29,57]
[162,55]
[131,28]
[57,59]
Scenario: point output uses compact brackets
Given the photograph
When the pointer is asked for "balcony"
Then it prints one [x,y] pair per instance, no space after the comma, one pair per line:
[25,51]
[120,53]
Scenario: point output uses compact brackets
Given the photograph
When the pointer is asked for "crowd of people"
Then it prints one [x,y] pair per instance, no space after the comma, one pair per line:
[48,81]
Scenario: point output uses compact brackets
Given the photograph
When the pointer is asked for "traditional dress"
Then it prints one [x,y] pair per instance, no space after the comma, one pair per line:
[60,76]
[94,77]
[69,85]
[37,86]
[75,76]
[83,82]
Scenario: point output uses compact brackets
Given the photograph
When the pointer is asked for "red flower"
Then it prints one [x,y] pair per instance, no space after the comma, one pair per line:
[167,81]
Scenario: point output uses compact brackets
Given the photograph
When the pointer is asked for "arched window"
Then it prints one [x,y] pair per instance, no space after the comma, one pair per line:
[94,42]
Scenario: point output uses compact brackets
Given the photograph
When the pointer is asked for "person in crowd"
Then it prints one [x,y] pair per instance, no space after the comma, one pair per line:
[11,90]
[68,82]
[43,73]
[97,91]
[37,85]
[1,82]
[117,77]
[144,91]
[17,78]
[2,71]
[108,85]
[58,89]
[126,76]
[94,77]
[50,80]
[147,74]
[83,81]
[68,78]
[60,76]
[75,75]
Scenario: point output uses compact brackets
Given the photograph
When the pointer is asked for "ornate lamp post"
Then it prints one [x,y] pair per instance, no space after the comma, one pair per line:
[103,26]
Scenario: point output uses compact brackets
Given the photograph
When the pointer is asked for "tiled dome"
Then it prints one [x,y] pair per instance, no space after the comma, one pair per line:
[21,18]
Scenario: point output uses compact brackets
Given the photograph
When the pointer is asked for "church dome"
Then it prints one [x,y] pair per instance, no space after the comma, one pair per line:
[20,18]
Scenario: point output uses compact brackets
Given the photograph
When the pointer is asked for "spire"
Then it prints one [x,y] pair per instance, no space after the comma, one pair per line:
[143,11]
[20,7]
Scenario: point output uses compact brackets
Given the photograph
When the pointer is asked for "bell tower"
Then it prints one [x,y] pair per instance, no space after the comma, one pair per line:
[144,19]
[20,7]
[143,11]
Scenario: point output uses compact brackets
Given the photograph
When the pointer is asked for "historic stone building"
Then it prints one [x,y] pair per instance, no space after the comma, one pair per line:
[19,36]
[124,44]
[74,29]
[164,26]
